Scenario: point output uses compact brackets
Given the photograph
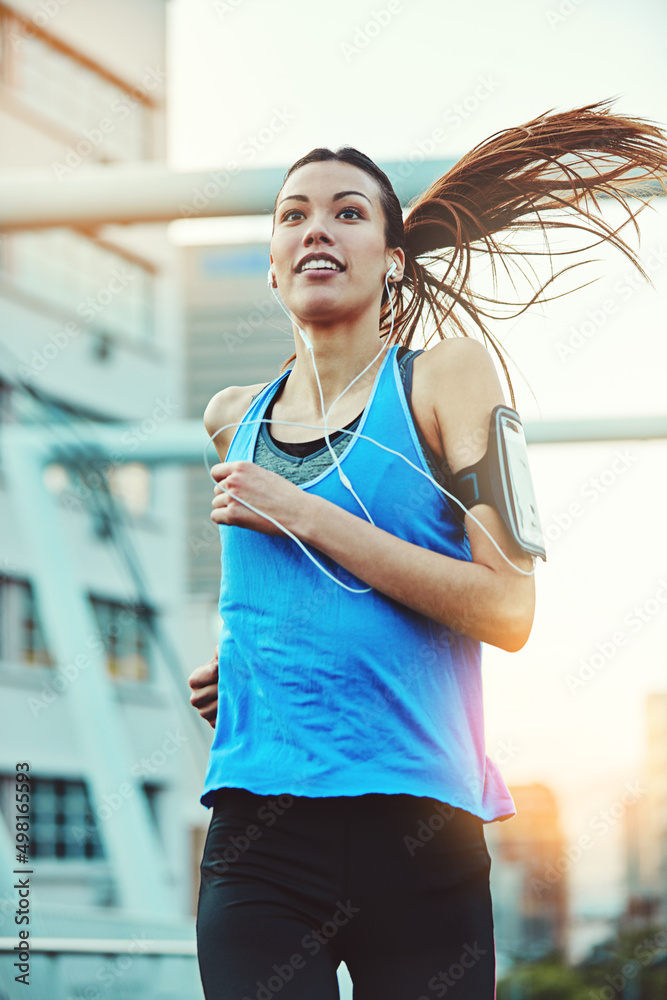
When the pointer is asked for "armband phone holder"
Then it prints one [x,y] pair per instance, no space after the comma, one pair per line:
[502,479]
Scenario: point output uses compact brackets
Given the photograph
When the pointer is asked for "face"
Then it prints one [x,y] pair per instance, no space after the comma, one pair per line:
[330,212]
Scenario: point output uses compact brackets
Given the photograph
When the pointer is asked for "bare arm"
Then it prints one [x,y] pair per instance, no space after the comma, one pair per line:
[227,406]
[485,599]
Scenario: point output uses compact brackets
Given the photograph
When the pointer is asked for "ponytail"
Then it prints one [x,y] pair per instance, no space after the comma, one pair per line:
[555,163]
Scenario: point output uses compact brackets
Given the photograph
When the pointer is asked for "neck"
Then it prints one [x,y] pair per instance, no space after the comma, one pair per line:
[340,352]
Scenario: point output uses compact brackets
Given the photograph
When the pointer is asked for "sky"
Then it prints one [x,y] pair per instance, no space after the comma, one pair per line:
[394,77]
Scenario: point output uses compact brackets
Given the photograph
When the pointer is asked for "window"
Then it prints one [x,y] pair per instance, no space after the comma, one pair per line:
[75,93]
[153,793]
[6,401]
[130,485]
[124,631]
[62,824]
[105,289]
[21,635]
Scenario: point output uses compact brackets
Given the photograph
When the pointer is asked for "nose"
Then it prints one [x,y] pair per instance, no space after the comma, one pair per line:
[317,233]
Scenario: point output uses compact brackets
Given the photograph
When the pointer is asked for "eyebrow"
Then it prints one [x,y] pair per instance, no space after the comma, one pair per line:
[336,197]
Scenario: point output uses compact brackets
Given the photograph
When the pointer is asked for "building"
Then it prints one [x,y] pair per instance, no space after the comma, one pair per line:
[645,825]
[92,559]
[236,334]
[529,878]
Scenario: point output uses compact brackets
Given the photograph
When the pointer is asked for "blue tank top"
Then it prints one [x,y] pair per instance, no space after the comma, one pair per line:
[323,692]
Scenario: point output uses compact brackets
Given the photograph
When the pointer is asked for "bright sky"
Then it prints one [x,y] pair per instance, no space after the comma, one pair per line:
[383,77]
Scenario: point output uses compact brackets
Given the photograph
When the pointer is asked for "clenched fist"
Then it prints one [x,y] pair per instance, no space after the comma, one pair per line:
[204,684]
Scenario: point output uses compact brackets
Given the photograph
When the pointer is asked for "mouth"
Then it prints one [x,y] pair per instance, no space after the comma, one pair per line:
[319,263]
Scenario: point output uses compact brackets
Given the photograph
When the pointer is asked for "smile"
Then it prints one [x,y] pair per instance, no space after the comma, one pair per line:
[320,263]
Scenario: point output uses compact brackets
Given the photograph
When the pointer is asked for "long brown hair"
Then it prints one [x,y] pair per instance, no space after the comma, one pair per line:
[555,163]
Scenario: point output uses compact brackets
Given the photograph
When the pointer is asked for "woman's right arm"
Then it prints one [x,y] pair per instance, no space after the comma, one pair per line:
[226,407]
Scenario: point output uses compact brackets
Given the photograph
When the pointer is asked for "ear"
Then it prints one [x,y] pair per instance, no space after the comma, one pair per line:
[272,273]
[397,256]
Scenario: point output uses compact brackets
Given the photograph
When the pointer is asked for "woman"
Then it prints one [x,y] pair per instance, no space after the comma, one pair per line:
[348,776]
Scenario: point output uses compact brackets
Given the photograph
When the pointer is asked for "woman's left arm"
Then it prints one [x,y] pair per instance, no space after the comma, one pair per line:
[485,599]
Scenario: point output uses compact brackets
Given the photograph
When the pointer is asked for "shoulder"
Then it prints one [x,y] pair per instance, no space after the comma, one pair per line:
[455,388]
[227,407]
[456,357]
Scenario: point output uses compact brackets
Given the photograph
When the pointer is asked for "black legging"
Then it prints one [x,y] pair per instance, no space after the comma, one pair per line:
[396,886]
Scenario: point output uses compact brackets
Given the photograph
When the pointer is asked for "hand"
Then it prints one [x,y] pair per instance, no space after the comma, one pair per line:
[204,684]
[265,490]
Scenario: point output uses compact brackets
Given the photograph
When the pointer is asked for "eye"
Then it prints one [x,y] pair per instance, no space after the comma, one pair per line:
[351,208]
[291,211]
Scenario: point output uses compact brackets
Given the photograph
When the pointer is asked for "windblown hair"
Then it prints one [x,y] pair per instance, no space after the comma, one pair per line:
[556,163]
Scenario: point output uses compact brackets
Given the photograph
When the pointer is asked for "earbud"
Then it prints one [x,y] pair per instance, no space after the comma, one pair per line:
[391,270]
[271,279]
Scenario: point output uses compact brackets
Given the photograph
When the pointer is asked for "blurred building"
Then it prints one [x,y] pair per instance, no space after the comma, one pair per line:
[656,777]
[529,877]
[236,334]
[646,827]
[91,333]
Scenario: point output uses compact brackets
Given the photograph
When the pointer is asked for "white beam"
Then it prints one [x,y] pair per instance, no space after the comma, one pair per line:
[184,441]
[149,191]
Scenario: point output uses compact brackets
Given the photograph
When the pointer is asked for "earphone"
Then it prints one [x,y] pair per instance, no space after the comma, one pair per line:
[343,478]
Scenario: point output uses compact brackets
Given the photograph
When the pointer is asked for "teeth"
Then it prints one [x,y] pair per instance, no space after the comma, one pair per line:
[312,264]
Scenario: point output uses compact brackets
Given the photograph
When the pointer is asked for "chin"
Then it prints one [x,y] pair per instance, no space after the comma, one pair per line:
[319,304]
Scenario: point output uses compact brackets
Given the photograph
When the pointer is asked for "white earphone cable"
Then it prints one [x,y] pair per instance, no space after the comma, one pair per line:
[344,430]
[343,478]
[309,347]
